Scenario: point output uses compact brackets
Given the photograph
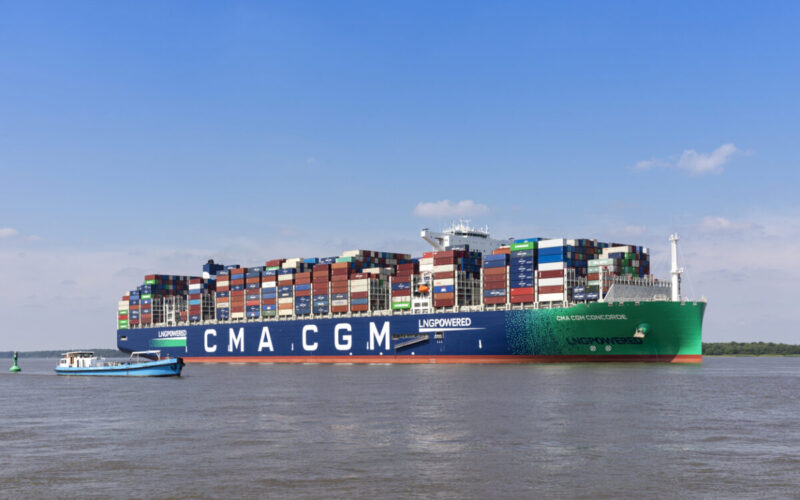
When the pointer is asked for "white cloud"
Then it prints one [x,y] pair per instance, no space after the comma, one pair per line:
[700,163]
[5,232]
[446,208]
[694,162]
[717,224]
[651,163]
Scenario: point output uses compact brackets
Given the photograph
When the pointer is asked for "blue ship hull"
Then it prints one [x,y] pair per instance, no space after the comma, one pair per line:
[585,332]
[161,368]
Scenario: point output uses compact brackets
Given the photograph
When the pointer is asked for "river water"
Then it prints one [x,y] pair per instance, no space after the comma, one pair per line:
[729,428]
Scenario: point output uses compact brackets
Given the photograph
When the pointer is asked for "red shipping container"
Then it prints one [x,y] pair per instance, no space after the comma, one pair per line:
[338,288]
[268,302]
[252,303]
[551,289]
[250,281]
[302,281]
[444,302]
[195,281]
[559,273]
[401,293]
[238,272]
[522,291]
[285,306]
[302,293]
[223,288]
[494,271]
[444,275]
[237,282]
[501,251]
[494,300]
[443,261]
[359,295]
[521,299]
[359,307]
[444,296]
[339,309]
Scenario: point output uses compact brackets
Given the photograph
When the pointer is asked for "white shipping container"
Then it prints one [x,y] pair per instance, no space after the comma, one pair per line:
[358,282]
[552,266]
[359,288]
[122,303]
[558,242]
[269,284]
[444,282]
[444,269]
[285,300]
[624,248]
[353,253]
[551,297]
[237,315]
[339,302]
[404,298]
[195,286]
[283,312]
[551,281]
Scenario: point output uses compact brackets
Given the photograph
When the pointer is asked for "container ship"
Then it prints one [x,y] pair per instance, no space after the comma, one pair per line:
[472,299]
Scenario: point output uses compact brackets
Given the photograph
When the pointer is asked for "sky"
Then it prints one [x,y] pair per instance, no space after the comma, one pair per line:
[147,137]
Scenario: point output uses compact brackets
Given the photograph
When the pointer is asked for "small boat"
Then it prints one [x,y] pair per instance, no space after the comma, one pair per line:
[140,364]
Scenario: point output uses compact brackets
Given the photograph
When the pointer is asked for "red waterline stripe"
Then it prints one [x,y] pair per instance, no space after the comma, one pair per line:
[475,359]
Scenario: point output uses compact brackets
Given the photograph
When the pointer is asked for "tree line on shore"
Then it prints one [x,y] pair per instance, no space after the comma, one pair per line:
[749,349]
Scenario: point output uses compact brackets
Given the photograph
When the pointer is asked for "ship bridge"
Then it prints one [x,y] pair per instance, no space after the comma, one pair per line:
[461,235]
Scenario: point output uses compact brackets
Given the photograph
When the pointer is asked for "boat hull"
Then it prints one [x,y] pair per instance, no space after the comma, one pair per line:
[593,332]
[161,368]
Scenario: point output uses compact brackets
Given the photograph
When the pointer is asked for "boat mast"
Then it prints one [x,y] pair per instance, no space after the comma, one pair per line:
[675,271]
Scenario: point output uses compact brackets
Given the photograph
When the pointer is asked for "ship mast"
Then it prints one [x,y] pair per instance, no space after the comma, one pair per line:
[675,271]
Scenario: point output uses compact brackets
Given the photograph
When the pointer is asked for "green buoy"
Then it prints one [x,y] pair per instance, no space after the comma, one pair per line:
[15,368]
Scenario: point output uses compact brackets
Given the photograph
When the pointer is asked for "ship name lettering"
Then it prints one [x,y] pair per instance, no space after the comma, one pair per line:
[171,333]
[348,339]
[306,345]
[236,339]
[206,334]
[379,338]
[445,322]
[266,340]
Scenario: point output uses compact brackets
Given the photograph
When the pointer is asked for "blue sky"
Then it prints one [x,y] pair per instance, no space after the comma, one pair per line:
[146,137]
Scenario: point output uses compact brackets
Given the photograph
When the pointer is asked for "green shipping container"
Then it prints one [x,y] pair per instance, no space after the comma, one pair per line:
[150,282]
[401,305]
[273,268]
[530,245]
[147,296]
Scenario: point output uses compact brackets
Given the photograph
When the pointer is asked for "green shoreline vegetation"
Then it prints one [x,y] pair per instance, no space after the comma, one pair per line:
[709,349]
[749,349]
